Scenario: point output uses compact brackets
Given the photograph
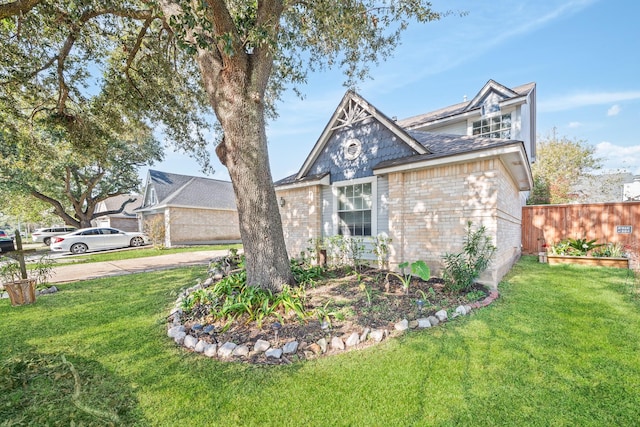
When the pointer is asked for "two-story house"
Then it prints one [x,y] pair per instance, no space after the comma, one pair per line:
[418,180]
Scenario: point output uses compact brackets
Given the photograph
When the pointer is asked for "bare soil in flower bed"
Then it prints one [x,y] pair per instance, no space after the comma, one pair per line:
[343,303]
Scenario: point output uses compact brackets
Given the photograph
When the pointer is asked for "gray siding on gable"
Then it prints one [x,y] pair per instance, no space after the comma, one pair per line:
[378,145]
[327,211]
[383,206]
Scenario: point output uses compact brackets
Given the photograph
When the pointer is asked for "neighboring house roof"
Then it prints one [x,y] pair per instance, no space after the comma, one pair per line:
[467,106]
[173,189]
[115,202]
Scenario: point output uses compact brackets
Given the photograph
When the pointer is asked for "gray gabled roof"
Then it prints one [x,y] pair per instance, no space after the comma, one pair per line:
[429,146]
[190,191]
[352,103]
[463,107]
[444,145]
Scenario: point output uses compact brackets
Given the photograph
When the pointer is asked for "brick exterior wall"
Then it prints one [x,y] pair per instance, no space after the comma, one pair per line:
[301,217]
[201,226]
[429,210]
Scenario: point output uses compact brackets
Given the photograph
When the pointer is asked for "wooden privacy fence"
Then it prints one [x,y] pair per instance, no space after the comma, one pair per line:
[605,222]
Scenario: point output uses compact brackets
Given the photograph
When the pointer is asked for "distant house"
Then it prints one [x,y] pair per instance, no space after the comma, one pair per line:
[194,210]
[631,190]
[127,220]
[603,188]
[418,180]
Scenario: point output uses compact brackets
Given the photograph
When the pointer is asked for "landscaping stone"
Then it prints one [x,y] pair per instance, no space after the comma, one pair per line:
[241,350]
[202,344]
[353,339]
[442,315]
[226,350]
[467,308]
[413,324]
[179,337]
[315,348]
[290,347]
[461,310]
[424,323]
[274,353]
[402,325]
[337,343]
[323,344]
[211,350]
[365,334]
[190,341]
[261,346]
[208,282]
[377,335]
[208,329]
[433,320]
[175,330]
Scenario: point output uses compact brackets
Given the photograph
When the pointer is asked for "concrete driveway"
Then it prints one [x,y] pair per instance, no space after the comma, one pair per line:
[75,272]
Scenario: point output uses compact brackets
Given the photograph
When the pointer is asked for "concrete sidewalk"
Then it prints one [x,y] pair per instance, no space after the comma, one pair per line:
[96,270]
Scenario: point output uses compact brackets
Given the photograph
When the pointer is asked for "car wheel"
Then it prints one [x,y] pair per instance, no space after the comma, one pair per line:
[47,241]
[78,248]
[137,241]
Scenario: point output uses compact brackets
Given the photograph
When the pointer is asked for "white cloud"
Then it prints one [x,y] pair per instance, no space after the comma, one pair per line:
[617,157]
[574,125]
[466,39]
[578,100]
[614,110]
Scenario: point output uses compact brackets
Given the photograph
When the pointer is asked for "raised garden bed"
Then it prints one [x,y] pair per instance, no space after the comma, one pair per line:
[588,260]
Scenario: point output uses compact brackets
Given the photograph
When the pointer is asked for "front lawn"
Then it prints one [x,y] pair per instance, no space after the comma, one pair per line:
[143,252]
[560,347]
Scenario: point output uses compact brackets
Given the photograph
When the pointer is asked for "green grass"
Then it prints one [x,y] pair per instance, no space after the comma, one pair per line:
[560,347]
[144,252]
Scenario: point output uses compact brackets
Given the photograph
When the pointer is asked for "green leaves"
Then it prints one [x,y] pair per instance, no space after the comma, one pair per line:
[462,269]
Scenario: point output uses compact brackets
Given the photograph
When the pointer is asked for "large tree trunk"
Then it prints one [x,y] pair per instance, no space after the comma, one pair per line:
[239,106]
[236,80]
[244,153]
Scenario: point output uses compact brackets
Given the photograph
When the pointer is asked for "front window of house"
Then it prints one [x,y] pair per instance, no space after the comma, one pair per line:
[354,209]
[493,127]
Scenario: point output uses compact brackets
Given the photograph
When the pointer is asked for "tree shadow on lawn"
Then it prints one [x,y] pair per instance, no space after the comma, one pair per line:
[49,389]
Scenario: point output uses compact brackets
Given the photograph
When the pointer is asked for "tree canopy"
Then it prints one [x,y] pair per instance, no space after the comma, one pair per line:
[560,162]
[163,61]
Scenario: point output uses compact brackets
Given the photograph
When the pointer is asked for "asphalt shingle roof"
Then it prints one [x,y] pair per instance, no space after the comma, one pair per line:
[193,191]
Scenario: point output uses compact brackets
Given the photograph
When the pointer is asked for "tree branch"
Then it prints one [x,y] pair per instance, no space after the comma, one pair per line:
[58,208]
[17,7]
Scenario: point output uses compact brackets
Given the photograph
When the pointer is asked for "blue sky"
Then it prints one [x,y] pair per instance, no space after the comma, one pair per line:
[584,56]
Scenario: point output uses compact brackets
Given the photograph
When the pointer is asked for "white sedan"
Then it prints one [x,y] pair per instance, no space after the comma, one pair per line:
[95,239]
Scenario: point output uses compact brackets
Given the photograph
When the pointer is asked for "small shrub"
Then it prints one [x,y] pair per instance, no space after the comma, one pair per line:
[610,250]
[381,250]
[462,269]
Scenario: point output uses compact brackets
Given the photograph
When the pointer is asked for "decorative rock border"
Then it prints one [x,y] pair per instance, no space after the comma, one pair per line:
[46,291]
[199,339]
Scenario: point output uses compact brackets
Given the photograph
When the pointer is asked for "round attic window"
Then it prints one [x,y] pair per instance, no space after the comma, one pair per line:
[352,149]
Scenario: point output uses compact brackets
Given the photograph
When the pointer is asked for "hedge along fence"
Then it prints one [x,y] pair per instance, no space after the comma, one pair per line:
[607,222]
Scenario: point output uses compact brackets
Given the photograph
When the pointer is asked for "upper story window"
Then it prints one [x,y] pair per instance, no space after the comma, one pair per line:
[493,127]
[355,203]
[152,197]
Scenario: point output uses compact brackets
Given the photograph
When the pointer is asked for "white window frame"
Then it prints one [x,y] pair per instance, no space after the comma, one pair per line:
[374,203]
[512,129]
[153,199]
